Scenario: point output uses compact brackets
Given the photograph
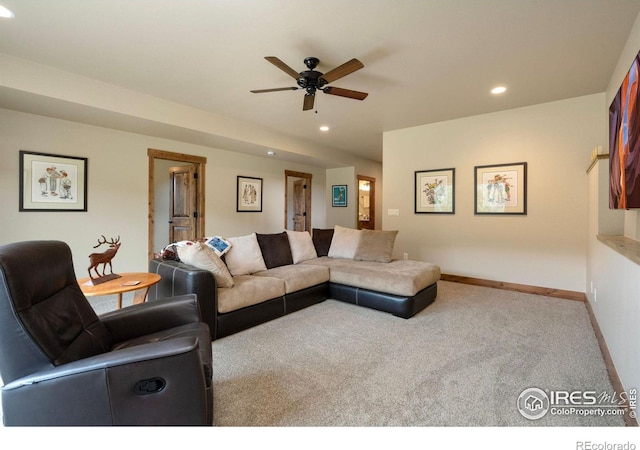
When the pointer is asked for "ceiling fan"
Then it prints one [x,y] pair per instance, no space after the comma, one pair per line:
[311,80]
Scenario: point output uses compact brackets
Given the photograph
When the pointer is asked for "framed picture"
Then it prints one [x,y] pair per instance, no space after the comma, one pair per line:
[434,191]
[249,194]
[339,195]
[52,182]
[501,189]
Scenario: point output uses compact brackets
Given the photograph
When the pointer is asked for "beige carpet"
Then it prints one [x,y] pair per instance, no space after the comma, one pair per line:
[463,361]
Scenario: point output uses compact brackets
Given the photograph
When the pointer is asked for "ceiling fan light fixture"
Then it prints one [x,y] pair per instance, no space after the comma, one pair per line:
[498,90]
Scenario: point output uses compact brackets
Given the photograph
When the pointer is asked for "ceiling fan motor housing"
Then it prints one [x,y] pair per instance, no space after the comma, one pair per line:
[311,80]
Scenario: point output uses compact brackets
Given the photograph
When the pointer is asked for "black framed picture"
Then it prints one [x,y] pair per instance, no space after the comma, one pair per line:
[339,195]
[51,182]
[434,191]
[501,189]
[249,194]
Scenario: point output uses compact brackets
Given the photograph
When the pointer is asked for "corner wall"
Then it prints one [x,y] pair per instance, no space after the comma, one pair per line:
[547,247]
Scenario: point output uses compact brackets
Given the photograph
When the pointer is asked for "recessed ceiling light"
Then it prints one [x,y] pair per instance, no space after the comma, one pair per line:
[271,153]
[6,13]
[324,128]
[499,90]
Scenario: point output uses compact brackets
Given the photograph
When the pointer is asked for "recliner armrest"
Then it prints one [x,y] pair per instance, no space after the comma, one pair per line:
[149,317]
[129,355]
[150,384]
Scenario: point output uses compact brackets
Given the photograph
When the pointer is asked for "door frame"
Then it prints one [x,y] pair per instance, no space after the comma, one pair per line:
[307,197]
[372,199]
[200,163]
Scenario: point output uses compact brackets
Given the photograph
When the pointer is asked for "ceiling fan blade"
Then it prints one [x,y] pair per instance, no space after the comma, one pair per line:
[282,66]
[260,91]
[308,102]
[343,70]
[345,93]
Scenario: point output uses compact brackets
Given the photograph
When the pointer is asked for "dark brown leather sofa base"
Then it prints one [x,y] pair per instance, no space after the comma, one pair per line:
[400,306]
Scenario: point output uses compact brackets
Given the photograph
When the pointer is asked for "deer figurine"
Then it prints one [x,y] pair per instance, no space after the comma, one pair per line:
[105,257]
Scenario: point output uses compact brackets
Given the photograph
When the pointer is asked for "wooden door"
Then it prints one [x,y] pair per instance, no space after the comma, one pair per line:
[183,200]
[297,200]
[299,207]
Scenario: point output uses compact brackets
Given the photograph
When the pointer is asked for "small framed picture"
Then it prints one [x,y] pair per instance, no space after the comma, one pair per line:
[51,182]
[501,189]
[339,195]
[249,194]
[434,191]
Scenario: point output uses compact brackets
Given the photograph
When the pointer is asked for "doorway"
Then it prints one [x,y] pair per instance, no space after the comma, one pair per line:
[297,200]
[176,212]
[183,208]
[366,203]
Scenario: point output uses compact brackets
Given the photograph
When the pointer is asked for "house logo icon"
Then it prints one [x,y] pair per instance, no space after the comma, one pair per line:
[533,403]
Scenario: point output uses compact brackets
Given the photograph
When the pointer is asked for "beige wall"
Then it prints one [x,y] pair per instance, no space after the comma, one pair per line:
[348,216]
[340,215]
[547,247]
[118,180]
[613,281]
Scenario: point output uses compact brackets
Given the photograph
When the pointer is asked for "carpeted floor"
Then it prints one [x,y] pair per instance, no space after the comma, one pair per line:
[463,361]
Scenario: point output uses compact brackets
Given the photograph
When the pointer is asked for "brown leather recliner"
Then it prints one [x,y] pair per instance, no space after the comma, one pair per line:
[61,364]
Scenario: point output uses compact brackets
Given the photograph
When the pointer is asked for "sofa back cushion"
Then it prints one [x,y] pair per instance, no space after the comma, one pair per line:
[275,248]
[375,245]
[322,240]
[344,243]
[245,256]
[302,248]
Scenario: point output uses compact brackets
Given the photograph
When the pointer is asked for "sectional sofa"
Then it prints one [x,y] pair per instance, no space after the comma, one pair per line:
[260,277]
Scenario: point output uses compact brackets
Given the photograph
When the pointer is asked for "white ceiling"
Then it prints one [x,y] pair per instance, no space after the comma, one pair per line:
[425,60]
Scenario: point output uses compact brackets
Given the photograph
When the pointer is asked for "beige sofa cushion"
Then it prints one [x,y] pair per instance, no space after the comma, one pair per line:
[344,242]
[297,277]
[398,277]
[245,256]
[302,247]
[375,245]
[203,257]
[249,290]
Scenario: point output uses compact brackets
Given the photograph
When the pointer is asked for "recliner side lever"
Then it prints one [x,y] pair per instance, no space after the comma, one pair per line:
[150,386]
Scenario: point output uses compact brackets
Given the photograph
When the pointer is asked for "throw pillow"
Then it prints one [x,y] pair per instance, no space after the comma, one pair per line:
[375,245]
[344,243]
[275,248]
[302,248]
[245,256]
[170,252]
[201,256]
[322,240]
[218,244]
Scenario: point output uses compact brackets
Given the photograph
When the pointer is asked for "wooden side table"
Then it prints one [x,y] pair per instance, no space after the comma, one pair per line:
[132,281]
